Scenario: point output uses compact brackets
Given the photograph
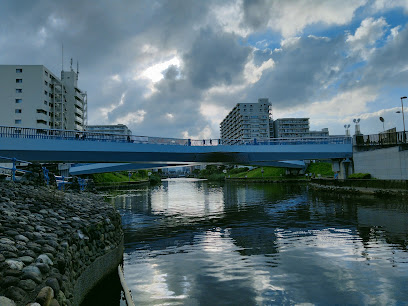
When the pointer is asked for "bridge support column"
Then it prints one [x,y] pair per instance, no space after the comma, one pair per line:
[344,167]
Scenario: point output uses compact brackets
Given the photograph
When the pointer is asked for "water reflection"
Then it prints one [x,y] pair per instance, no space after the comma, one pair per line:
[193,242]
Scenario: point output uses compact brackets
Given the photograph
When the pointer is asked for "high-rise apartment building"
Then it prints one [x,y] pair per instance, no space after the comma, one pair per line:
[32,96]
[248,121]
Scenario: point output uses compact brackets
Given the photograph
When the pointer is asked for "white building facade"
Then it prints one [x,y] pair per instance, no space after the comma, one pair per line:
[248,121]
[296,128]
[117,129]
[32,96]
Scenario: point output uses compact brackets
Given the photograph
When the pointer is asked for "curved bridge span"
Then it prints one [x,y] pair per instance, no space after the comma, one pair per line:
[82,147]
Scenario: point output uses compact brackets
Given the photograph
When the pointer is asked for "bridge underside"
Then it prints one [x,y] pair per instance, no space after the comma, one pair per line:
[113,167]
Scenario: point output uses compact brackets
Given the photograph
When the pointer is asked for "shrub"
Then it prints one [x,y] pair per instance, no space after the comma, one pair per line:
[238,170]
[360,176]
[154,179]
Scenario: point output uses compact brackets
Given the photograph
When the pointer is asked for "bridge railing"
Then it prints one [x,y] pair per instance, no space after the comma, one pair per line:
[289,141]
[382,139]
[33,133]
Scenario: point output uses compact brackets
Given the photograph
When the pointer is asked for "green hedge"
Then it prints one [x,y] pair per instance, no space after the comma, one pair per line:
[359,176]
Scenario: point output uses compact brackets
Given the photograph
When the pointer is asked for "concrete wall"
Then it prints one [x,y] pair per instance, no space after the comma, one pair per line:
[386,163]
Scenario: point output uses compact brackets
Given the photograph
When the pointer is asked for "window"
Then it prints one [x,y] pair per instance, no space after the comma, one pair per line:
[41,111]
[19,80]
[46,73]
[19,90]
[19,70]
[45,93]
[18,111]
[19,100]
[17,121]
[45,102]
[42,122]
[45,83]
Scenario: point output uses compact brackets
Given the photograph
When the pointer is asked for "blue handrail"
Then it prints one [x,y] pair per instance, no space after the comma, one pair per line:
[33,133]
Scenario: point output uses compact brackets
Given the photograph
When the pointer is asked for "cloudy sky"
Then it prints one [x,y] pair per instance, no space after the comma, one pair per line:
[176,68]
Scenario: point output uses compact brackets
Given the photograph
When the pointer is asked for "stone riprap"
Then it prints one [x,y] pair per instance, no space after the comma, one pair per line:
[49,240]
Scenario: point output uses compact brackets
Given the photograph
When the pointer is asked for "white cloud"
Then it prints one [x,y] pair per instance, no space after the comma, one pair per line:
[291,17]
[230,16]
[131,118]
[366,36]
[253,73]
[344,104]
[380,5]
[155,72]
[394,33]
[205,133]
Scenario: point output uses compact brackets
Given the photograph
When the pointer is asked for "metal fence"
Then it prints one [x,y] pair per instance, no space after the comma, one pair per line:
[382,139]
[32,133]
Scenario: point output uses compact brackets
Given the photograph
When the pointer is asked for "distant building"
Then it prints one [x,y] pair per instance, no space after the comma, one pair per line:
[296,128]
[117,129]
[248,121]
[323,133]
[291,127]
[32,96]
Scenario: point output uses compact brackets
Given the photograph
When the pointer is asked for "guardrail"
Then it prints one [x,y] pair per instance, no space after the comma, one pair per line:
[14,169]
[32,133]
[382,139]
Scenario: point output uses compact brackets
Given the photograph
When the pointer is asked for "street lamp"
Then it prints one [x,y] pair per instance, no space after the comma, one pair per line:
[357,127]
[347,126]
[382,120]
[403,119]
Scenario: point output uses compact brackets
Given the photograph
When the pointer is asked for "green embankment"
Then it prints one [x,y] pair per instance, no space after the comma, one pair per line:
[269,172]
[324,169]
[117,177]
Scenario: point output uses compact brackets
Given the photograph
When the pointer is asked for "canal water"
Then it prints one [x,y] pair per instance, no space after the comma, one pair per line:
[191,242]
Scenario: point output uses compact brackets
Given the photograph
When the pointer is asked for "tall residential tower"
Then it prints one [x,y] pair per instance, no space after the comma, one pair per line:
[32,96]
[248,121]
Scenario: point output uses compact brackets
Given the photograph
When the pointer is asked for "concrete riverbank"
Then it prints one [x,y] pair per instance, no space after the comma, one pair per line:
[54,246]
[362,186]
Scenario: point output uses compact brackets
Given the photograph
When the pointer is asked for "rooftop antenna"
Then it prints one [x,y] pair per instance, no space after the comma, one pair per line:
[62,57]
[77,70]
[71,63]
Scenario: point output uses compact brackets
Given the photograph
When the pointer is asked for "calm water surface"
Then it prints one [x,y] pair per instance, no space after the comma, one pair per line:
[198,243]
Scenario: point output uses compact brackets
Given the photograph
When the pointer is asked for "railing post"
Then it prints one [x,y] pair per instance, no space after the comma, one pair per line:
[46,177]
[13,169]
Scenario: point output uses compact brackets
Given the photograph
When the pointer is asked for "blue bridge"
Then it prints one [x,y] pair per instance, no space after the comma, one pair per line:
[117,151]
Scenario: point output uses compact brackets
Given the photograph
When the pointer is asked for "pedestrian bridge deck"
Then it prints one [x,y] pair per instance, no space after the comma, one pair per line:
[44,145]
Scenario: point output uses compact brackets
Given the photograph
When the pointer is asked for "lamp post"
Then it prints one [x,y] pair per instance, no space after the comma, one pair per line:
[403,119]
[382,120]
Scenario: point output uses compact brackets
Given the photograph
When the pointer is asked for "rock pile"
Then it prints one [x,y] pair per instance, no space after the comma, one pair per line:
[47,239]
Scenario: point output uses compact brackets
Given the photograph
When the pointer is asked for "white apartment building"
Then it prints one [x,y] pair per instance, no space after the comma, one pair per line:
[291,127]
[248,121]
[117,129]
[296,128]
[32,96]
